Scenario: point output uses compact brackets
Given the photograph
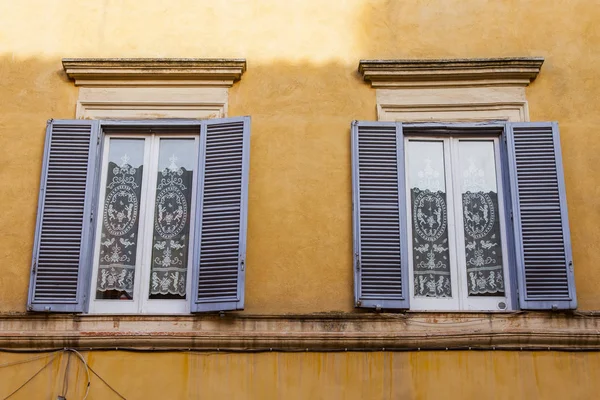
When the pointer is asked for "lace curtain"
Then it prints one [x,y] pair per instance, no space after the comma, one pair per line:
[429,215]
[431,264]
[118,242]
[170,243]
[483,249]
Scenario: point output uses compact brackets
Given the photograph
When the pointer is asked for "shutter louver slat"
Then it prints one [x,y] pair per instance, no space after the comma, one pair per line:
[61,249]
[541,222]
[220,273]
[380,264]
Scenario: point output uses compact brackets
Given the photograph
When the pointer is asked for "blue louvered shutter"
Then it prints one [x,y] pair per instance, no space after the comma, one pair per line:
[62,247]
[379,204]
[540,221]
[220,248]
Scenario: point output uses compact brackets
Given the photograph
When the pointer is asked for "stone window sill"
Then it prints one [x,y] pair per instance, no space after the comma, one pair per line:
[315,332]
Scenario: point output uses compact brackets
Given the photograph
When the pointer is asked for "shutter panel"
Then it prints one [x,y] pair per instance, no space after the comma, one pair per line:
[62,246]
[379,206]
[540,222]
[220,252]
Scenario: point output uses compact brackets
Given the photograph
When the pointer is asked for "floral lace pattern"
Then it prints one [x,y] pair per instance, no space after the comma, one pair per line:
[483,249]
[171,231]
[431,266]
[482,243]
[118,242]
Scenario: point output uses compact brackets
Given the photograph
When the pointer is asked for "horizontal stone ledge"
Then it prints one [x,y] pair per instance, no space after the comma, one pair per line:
[419,73]
[306,332]
[154,72]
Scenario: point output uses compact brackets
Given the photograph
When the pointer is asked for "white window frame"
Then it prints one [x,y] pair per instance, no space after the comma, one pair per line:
[460,301]
[141,304]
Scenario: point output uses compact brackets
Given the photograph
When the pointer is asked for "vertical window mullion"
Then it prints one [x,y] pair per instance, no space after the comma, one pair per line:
[192,233]
[453,238]
[148,209]
[409,228]
[504,224]
[459,231]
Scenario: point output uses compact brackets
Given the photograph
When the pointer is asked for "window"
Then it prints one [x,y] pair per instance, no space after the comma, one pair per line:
[456,224]
[142,251]
[460,217]
[142,217]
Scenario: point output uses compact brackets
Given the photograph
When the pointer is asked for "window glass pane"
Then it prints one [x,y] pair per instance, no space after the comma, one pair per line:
[431,259]
[483,248]
[170,243]
[120,219]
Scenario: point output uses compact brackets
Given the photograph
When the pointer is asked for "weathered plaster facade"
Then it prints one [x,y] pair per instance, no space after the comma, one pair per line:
[302,89]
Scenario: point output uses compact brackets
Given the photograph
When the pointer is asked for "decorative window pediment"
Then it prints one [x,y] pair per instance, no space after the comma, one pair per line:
[142,88]
[452,90]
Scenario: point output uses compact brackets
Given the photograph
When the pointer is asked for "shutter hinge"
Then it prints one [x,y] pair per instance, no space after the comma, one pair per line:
[92,215]
[98,140]
[357,262]
[242,266]
[511,215]
[34,269]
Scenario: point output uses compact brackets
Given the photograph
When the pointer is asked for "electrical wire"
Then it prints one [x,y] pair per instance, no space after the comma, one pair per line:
[87,371]
[215,351]
[65,379]
[9,364]
[107,384]
[30,379]
[65,387]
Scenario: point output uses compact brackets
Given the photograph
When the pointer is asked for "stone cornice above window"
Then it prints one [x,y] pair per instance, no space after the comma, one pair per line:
[141,88]
[451,90]
[154,71]
[424,73]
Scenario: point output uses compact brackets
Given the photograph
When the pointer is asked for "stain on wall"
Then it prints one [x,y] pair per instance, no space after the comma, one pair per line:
[378,375]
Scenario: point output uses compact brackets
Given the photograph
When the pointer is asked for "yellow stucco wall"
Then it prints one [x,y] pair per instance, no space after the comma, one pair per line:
[302,91]
[348,376]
